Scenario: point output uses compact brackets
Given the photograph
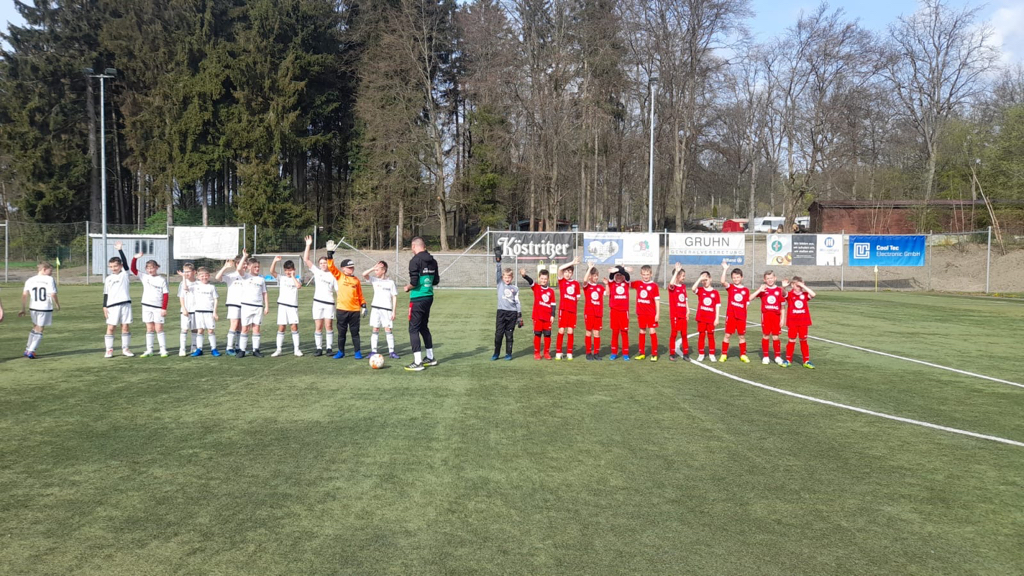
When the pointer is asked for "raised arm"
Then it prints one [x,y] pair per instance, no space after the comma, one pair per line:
[576,262]
[522,272]
[672,276]
[725,267]
[305,253]
[806,289]
[497,273]
[273,266]
[223,269]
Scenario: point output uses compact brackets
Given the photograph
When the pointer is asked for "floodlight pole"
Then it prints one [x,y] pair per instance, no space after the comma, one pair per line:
[108,73]
[650,176]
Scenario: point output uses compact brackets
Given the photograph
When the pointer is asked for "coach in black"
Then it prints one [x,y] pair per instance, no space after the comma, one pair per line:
[423,276]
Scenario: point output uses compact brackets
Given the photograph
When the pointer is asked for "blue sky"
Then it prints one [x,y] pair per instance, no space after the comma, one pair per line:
[1006,17]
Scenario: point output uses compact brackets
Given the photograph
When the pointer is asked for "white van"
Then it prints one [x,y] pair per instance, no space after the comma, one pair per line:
[768,224]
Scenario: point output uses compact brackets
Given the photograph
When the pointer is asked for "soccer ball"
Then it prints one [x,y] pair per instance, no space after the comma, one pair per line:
[376,361]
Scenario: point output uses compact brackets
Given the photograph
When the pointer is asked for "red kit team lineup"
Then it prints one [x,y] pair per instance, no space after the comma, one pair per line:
[785,306]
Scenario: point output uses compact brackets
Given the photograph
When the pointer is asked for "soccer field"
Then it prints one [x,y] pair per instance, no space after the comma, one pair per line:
[314,465]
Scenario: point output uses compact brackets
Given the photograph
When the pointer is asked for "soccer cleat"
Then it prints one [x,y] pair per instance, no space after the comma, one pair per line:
[215,353]
[625,358]
[558,355]
[239,353]
[319,352]
[686,358]
[232,352]
[536,356]
[276,353]
[339,355]
[568,357]
[721,360]
[597,358]
[653,358]
[546,355]
[508,357]
[146,354]
[612,356]
[196,354]
[163,354]
[808,365]
[430,361]
[785,364]
[779,360]
[744,359]
[414,367]
[641,357]
[257,354]
[394,356]
[109,354]
[297,353]
[329,352]
[495,357]
[126,352]
[766,360]
[30,355]
[671,357]
[358,355]
[182,353]
[700,357]
[590,357]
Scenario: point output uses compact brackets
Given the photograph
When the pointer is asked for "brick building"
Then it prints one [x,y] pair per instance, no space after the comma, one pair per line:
[903,216]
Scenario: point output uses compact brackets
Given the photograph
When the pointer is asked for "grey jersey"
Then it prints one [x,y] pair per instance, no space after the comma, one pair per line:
[508,294]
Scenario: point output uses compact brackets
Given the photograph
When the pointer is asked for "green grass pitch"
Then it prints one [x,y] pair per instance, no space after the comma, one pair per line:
[320,466]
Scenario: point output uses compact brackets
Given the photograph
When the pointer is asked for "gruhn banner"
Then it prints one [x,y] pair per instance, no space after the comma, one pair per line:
[557,246]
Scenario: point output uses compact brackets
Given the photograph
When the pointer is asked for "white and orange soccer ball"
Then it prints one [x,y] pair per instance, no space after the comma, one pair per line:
[376,361]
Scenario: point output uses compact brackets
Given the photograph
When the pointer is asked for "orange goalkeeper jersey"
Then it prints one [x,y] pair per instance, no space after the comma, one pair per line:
[350,290]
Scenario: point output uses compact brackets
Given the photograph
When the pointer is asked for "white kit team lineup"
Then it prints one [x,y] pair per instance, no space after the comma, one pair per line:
[338,308]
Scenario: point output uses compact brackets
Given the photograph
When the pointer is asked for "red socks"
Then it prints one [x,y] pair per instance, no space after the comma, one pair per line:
[789,350]
[743,349]
[764,346]
[586,342]
[569,347]
[805,351]
[558,345]
[711,342]
[597,345]
[725,347]
[643,343]
[547,344]
[625,343]
[700,342]
[536,345]
[654,344]
[777,344]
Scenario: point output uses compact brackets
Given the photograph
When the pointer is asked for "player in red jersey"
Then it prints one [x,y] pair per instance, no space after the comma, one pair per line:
[772,297]
[678,312]
[593,311]
[543,312]
[648,311]
[569,292]
[709,304]
[798,318]
[736,312]
[618,303]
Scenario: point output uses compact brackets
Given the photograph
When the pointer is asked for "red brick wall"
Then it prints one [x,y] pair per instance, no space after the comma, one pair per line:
[862,220]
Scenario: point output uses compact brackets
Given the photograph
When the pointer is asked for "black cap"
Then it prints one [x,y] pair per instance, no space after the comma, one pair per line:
[347,263]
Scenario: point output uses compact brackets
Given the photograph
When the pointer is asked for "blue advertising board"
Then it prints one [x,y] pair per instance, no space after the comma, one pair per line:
[887,250]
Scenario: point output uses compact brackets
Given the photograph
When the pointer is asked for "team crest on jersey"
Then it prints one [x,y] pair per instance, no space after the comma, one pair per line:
[620,290]
[595,296]
[771,299]
[570,290]
[643,293]
[707,301]
[738,297]
[545,297]
[508,293]
[799,304]
[682,297]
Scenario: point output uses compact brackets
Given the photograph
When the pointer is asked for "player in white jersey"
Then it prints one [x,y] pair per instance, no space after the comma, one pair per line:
[188,319]
[254,291]
[117,304]
[204,311]
[287,304]
[155,293]
[383,306]
[325,288]
[40,294]
[234,298]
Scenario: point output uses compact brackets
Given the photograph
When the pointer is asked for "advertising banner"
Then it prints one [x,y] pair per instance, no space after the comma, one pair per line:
[804,250]
[557,246]
[617,248]
[830,249]
[199,242]
[887,250]
[780,250]
[706,249]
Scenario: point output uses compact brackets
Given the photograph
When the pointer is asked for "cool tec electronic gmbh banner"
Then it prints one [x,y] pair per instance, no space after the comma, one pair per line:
[805,250]
[557,246]
[706,249]
[617,248]
[887,250]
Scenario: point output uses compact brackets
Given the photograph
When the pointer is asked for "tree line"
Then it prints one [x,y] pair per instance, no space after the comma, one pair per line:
[441,118]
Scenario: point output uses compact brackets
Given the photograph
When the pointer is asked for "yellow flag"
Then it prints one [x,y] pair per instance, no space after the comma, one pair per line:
[58,260]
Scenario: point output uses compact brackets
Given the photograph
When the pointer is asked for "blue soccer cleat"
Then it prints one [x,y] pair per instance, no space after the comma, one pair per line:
[613,356]
[339,355]
[30,355]
[214,353]
[625,358]
[785,364]
[508,357]
[231,352]
[358,355]
[495,357]
[196,354]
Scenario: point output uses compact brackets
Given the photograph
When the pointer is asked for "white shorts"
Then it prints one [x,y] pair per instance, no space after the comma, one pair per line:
[119,314]
[234,312]
[323,311]
[152,315]
[287,315]
[41,318]
[204,321]
[252,315]
[188,322]
[380,318]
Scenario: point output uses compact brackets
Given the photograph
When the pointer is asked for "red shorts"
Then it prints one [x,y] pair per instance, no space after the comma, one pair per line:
[679,324]
[566,319]
[541,325]
[646,322]
[594,323]
[771,324]
[735,325]
[620,320]
[797,332]
[705,327]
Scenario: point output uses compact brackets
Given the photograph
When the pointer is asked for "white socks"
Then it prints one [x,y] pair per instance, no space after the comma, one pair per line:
[295,341]
[330,339]
[318,338]
[243,341]
[108,342]
[33,341]
[213,341]
[161,338]
[430,353]
[231,339]
[255,342]
[149,341]
[373,342]
[126,340]
[417,358]
[391,342]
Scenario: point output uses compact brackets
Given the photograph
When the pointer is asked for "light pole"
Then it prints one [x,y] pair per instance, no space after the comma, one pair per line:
[108,73]
[650,177]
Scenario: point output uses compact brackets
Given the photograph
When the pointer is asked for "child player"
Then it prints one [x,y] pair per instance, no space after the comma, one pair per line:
[736,312]
[593,310]
[679,310]
[709,304]
[510,309]
[648,311]
[204,310]
[287,305]
[618,304]
[40,294]
[382,307]
[325,286]
[155,294]
[569,291]
[188,319]
[771,297]
[543,312]
[798,318]
[351,304]
[254,290]
[117,304]
[234,299]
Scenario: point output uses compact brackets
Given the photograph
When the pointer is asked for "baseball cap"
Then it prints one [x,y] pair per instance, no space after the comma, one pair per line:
[346,263]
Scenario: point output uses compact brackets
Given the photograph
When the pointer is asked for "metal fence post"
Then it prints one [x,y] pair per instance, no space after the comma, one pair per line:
[88,270]
[753,258]
[7,246]
[988,261]
[254,249]
[244,239]
[842,267]
[928,257]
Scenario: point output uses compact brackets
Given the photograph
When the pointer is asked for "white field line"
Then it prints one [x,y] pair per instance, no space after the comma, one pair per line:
[863,410]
